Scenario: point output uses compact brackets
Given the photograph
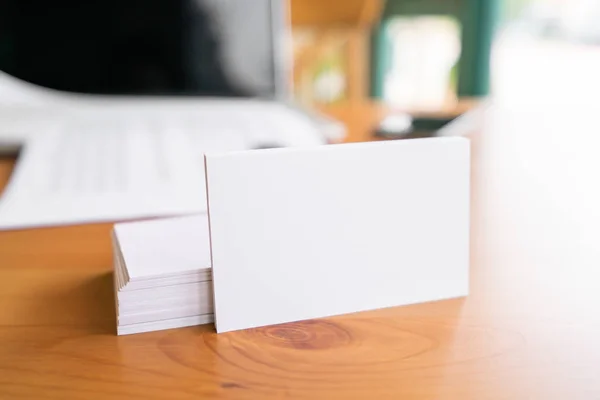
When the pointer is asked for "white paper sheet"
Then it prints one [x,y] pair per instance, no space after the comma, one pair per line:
[139,159]
[306,233]
[65,178]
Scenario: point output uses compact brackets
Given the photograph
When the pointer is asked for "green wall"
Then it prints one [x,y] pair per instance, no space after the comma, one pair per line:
[478,20]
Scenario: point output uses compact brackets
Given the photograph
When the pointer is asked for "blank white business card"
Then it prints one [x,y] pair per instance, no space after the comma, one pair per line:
[305,233]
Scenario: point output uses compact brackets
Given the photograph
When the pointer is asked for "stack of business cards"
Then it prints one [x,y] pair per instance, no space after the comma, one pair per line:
[303,234]
[162,274]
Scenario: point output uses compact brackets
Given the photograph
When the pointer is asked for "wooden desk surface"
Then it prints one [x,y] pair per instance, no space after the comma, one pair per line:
[529,330]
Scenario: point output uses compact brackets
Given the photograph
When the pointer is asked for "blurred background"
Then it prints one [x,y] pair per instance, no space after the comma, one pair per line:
[436,59]
[432,59]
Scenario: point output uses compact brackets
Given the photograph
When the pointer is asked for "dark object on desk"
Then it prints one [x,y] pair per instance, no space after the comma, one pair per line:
[266,145]
[404,126]
[10,150]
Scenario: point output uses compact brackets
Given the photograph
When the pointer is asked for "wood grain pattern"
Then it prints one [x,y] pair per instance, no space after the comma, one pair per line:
[529,329]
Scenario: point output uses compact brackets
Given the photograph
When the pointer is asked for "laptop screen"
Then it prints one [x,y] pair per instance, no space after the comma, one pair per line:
[145,47]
